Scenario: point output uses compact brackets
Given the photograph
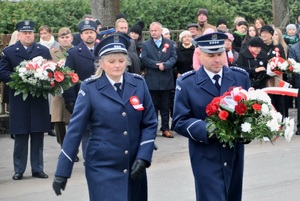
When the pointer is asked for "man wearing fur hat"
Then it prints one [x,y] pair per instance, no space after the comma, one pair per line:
[202,21]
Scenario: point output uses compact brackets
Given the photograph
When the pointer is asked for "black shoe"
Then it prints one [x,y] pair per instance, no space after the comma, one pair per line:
[297,133]
[17,176]
[51,133]
[76,159]
[42,175]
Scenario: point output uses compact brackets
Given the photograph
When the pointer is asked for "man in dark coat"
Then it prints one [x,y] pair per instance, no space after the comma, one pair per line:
[81,59]
[28,117]
[159,57]
[217,168]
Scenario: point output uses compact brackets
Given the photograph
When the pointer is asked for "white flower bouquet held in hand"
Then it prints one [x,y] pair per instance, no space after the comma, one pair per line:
[39,77]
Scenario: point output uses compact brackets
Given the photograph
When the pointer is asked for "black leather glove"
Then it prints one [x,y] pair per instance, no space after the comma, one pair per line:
[70,107]
[138,168]
[59,184]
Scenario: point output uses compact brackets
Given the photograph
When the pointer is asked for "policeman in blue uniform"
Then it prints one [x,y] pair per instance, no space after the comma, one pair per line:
[81,59]
[29,117]
[118,107]
[217,168]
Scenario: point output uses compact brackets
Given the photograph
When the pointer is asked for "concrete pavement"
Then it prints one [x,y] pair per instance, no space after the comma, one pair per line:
[271,173]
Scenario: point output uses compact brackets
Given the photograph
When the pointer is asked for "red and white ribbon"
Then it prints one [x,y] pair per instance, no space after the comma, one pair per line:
[281,91]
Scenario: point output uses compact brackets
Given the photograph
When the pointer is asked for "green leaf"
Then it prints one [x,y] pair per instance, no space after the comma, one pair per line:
[24,96]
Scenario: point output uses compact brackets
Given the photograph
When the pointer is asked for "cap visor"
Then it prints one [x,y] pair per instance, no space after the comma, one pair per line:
[213,51]
[114,51]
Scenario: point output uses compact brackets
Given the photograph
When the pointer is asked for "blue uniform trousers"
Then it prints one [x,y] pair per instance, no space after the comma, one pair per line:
[21,152]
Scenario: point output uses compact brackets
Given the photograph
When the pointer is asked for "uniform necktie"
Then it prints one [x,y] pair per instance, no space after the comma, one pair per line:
[216,78]
[118,86]
[92,51]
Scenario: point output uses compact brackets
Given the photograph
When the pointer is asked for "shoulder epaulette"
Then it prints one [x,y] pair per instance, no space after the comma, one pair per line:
[137,75]
[237,68]
[89,80]
[187,74]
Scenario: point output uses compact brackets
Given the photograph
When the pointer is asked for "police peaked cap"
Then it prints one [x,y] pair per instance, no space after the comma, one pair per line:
[112,44]
[211,43]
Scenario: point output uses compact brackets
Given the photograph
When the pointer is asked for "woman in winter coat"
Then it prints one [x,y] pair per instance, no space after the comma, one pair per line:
[254,61]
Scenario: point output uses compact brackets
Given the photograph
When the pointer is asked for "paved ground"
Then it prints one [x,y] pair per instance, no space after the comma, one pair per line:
[271,173]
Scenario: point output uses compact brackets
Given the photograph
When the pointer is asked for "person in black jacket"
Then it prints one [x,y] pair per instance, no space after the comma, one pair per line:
[254,61]
[272,49]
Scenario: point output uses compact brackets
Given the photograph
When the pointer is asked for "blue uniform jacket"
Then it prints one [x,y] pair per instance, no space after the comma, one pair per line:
[31,115]
[81,60]
[151,54]
[119,135]
[218,169]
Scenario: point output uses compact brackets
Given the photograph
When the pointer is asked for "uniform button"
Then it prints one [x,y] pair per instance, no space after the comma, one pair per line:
[126,152]
[225,164]
[123,114]
[125,133]
[201,141]
[125,171]
[224,145]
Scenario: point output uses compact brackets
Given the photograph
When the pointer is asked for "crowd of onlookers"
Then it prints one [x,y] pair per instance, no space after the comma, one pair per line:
[248,45]
[99,52]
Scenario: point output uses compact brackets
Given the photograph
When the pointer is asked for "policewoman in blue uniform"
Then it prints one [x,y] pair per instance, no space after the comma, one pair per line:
[29,117]
[123,123]
[217,168]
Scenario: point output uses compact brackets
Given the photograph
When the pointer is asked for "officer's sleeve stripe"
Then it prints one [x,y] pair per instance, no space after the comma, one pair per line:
[66,155]
[146,142]
[189,128]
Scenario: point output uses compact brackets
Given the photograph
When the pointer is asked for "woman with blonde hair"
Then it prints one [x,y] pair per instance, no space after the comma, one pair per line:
[116,156]
[278,36]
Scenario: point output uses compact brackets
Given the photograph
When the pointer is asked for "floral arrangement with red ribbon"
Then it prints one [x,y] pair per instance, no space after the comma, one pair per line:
[278,65]
[240,115]
[166,47]
[40,77]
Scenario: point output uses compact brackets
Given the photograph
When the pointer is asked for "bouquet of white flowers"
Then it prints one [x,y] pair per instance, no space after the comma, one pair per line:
[39,77]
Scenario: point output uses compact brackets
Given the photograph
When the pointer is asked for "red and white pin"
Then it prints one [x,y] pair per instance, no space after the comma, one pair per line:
[135,102]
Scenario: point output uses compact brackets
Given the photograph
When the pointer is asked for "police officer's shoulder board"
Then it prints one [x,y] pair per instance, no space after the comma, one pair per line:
[238,69]
[7,48]
[187,74]
[137,76]
[89,80]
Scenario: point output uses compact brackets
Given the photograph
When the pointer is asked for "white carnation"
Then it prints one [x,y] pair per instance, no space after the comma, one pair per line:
[265,109]
[246,127]
[273,125]
[289,128]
